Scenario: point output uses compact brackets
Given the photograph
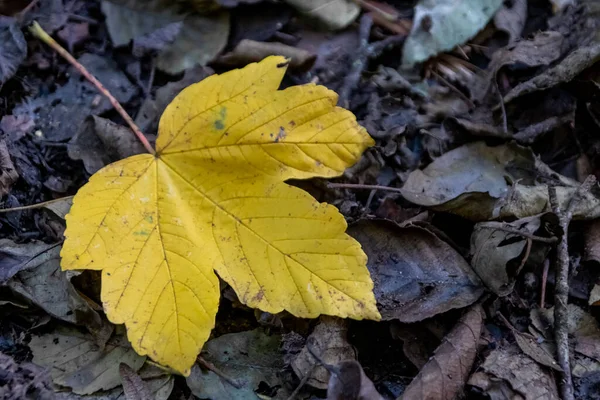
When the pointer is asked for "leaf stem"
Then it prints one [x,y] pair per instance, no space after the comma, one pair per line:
[41,34]
[366,187]
[36,205]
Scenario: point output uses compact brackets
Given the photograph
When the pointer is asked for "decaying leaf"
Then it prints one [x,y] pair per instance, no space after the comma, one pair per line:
[13,48]
[508,373]
[44,284]
[498,255]
[100,141]
[18,257]
[58,115]
[76,362]
[480,183]
[249,358]
[133,385]
[443,24]
[350,383]
[198,40]
[511,18]
[335,14]
[565,71]
[328,342]
[214,199]
[416,274]
[445,373]
[8,173]
[23,380]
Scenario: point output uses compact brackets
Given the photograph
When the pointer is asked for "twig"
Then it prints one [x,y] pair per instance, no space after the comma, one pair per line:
[561,287]
[351,80]
[544,281]
[211,367]
[366,187]
[302,383]
[501,226]
[364,54]
[38,32]
[454,89]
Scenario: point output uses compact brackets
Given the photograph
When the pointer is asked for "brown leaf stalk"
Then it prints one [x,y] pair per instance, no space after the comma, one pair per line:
[41,34]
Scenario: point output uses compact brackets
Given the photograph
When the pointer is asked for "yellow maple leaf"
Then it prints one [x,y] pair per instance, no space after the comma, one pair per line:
[213,198]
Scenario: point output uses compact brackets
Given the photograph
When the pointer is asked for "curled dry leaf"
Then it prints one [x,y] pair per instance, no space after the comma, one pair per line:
[334,14]
[248,358]
[480,183]
[248,51]
[213,199]
[444,375]
[444,24]
[76,362]
[328,342]
[498,255]
[416,274]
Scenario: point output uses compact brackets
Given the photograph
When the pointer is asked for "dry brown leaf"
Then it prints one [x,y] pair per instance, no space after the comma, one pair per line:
[328,342]
[510,374]
[498,255]
[443,377]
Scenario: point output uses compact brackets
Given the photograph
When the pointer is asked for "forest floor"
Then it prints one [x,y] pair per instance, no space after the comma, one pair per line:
[477,207]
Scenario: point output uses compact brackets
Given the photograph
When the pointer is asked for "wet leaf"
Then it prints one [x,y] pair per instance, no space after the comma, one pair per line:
[249,358]
[18,257]
[328,342]
[214,199]
[416,274]
[445,373]
[76,362]
[441,25]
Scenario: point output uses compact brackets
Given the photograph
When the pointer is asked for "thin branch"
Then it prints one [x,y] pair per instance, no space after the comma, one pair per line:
[544,282]
[503,227]
[561,288]
[41,34]
[211,367]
